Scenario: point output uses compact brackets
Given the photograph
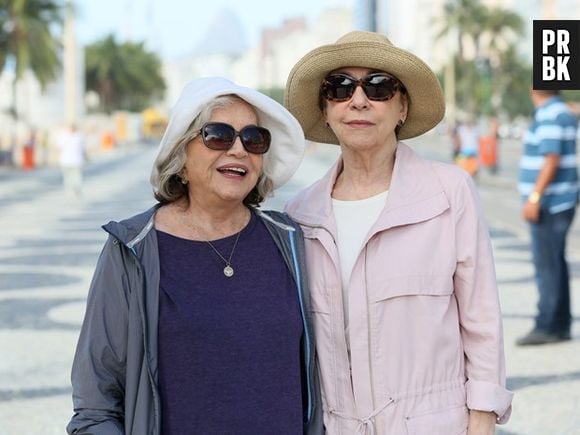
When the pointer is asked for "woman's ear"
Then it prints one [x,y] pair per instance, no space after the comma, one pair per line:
[182,175]
[404,106]
[324,116]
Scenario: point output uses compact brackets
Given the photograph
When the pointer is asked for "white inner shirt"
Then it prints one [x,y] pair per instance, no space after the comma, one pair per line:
[354,220]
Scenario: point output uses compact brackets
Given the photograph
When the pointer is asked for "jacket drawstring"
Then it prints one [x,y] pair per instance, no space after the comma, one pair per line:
[366,425]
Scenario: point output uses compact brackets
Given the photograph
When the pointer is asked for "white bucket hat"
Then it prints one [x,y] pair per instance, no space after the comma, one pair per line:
[287,148]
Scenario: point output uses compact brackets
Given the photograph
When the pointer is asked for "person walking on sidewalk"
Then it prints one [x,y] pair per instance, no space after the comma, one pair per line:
[404,296]
[198,315]
[468,136]
[72,146]
[548,183]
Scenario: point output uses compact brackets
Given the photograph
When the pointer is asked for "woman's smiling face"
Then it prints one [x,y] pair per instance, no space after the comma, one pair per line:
[224,175]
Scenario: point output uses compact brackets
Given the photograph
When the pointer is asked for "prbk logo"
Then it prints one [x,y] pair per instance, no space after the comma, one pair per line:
[556,54]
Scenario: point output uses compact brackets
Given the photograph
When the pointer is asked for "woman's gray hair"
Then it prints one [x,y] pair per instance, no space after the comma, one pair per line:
[168,187]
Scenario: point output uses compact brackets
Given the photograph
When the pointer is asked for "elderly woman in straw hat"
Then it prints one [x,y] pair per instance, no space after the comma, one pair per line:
[404,297]
[197,318]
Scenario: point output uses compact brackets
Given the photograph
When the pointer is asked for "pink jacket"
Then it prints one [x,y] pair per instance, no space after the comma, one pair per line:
[425,324]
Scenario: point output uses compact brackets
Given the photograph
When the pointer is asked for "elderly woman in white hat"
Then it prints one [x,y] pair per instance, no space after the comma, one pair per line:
[404,297]
[197,317]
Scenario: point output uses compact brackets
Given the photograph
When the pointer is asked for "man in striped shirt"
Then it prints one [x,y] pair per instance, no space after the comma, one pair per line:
[548,184]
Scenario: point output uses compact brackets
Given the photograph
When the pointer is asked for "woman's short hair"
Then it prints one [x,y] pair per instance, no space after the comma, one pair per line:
[169,186]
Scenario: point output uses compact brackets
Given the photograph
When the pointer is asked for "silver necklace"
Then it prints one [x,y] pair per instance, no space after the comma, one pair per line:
[228,270]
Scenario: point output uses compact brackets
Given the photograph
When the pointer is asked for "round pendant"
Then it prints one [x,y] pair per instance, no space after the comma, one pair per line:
[228,271]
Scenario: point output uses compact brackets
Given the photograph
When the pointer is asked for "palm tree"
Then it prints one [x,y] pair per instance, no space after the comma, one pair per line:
[512,81]
[27,38]
[102,67]
[125,75]
[462,20]
[464,17]
[492,32]
[501,29]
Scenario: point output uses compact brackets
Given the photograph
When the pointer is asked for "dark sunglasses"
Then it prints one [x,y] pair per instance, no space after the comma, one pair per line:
[376,86]
[221,137]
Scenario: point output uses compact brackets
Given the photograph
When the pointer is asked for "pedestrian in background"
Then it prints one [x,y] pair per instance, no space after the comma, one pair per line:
[404,295]
[72,148]
[30,150]
[548,184]
[197,316]
[468,140]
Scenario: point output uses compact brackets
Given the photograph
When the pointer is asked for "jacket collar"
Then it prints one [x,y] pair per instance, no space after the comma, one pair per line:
[415,194]
[133,230]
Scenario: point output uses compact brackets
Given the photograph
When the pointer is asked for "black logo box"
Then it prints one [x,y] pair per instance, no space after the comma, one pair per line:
[573,63]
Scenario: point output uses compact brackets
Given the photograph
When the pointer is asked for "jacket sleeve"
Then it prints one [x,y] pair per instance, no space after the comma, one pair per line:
[316,425]
[98,372]
[479,310]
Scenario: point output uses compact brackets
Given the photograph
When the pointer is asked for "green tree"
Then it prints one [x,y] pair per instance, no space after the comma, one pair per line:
[492,33]
[29,40]
[514,80]
[472,86]
[462,18]
[275,93]
[125,75]
[571,95]
[502,29]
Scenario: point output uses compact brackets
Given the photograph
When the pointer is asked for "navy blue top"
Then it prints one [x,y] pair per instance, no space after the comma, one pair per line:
[229,348]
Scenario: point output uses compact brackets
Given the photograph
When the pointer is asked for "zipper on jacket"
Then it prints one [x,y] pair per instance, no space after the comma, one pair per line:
[270,219]
[131,249]
[141,235]
[306,332]
[312,226]
[147,352]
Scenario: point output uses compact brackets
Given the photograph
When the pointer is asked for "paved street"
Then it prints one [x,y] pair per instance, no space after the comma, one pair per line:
[49,246]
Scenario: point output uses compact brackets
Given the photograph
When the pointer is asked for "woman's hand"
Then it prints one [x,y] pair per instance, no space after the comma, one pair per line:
[481,423]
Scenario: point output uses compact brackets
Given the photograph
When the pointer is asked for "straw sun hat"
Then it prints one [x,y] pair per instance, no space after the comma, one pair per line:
[369,50]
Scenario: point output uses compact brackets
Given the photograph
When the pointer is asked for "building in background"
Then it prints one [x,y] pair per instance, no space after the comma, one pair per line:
[283,46]
[273,53]
[365,15]
[211,56]
[263,66]
[414,24]
[410,25]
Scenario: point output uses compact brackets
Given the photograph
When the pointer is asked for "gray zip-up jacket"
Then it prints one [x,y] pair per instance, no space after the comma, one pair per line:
[114,373]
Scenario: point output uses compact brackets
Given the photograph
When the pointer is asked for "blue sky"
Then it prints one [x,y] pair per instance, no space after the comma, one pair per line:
[172,27]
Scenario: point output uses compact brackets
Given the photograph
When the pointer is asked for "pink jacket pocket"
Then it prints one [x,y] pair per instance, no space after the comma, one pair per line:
[413,285]
[449,421]
[319,303]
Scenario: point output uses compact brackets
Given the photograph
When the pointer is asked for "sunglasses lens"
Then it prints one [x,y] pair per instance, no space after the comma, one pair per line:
[221,137]
[256,140]
[338,87]
[379,87]
[218,136]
